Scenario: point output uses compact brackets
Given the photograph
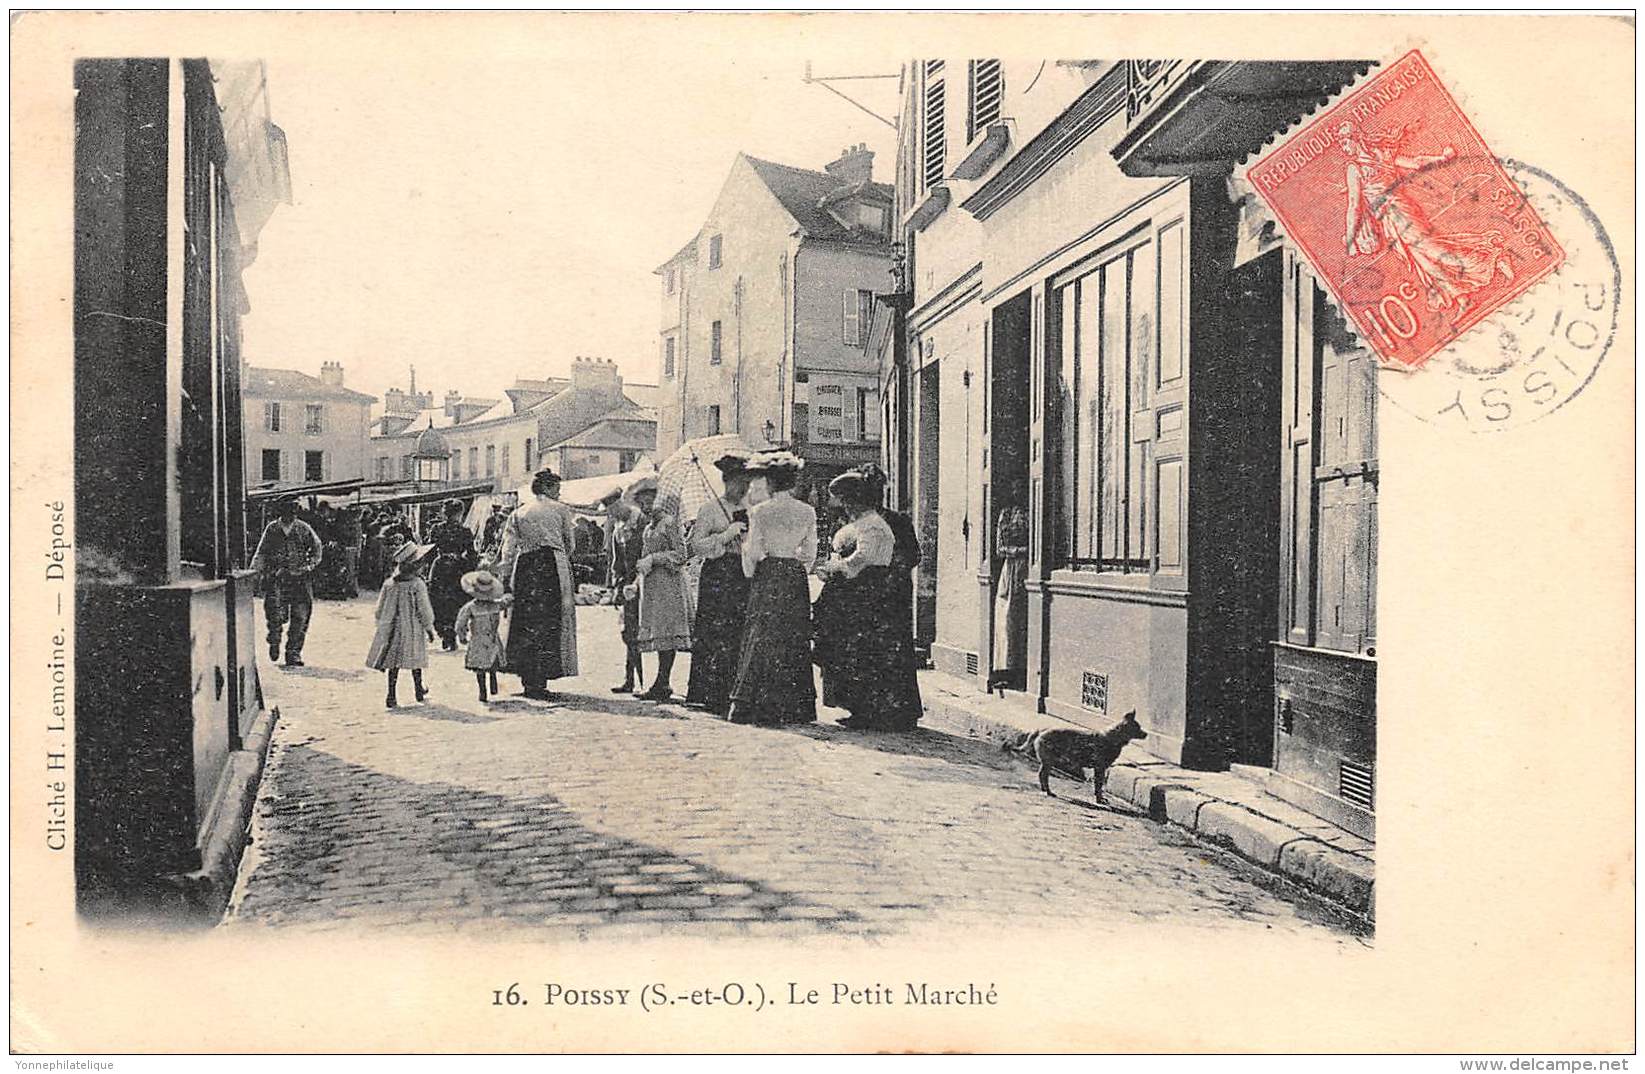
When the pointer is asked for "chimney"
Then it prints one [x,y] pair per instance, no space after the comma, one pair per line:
[394,401]
[453,398]
[331,374]
[856,165]
[596,374]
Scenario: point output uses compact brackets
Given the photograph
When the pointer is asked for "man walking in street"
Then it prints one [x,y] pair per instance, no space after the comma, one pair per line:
[286,557]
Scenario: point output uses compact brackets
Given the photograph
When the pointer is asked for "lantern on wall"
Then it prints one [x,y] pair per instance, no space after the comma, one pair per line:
[431,460]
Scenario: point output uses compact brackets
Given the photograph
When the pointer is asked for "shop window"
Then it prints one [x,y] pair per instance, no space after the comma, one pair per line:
[1124,480]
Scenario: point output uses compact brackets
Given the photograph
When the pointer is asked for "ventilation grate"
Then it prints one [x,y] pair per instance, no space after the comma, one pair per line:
[970,663]
[1094,692]
[1356,784]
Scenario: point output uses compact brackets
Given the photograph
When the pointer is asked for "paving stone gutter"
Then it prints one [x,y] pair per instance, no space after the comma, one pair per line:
[1217,807]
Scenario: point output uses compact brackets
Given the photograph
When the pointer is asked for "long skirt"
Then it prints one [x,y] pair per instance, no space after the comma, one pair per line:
[537,623]
[1011,616]
[717,634]
[774,672]
[868,662]
[445,591]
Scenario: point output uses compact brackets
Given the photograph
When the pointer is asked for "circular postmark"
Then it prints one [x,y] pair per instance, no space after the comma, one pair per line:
[1537,353]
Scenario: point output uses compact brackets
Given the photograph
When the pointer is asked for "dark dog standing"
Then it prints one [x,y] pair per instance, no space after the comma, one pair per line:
[1071,751]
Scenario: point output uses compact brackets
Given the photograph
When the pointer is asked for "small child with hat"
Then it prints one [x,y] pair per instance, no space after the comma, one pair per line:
[405,622]
[479,626]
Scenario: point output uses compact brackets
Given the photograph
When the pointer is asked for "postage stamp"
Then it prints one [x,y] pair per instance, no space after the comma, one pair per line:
[1405,214]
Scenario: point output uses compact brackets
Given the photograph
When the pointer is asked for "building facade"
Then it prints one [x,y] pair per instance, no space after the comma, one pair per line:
[177,167]
[586,425]
[301,429]
[766,313]
[1095,327]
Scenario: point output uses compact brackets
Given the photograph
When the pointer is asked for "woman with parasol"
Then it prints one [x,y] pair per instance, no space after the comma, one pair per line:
[722,590]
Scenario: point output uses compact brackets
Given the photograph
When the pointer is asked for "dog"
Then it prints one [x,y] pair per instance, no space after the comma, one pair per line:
[1072,752]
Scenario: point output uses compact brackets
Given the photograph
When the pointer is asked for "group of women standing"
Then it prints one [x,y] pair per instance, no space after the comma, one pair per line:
[756,634]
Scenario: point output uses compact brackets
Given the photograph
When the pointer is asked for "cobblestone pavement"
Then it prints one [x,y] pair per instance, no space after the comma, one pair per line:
[600,813]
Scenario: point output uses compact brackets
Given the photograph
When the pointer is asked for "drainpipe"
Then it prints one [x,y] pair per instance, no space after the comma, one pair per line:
[793,340]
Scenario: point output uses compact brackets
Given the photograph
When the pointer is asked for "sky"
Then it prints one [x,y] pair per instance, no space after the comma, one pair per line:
[491,211]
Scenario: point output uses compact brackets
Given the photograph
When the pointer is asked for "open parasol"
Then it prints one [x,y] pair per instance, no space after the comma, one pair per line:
[689,475]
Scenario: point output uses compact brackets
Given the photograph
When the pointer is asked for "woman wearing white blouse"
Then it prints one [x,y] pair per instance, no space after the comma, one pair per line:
[863,645]
[774,683]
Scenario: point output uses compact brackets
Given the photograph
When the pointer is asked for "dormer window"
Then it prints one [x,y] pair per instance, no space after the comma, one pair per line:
[871,217]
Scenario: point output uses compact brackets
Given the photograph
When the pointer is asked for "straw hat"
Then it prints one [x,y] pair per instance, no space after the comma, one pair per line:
[410,550]
[775,460]
[483,584]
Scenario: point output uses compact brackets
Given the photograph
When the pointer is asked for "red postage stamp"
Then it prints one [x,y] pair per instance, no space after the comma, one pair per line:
[1405,214]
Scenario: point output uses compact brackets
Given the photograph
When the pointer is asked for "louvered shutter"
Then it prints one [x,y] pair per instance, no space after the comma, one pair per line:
[851,330]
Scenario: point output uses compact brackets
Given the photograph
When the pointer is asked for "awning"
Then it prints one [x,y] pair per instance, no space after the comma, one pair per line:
[1218,112]
[290,492]
[402,499]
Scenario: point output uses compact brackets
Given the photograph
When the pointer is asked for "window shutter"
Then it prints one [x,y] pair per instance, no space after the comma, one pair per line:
[932,134]
[851,328]
[987,88]
[1164,422]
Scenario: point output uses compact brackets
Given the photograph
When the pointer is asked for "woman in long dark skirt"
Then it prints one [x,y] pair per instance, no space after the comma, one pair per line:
[722,591]
[774,683]
[542,633]
[454,557]
[868,666]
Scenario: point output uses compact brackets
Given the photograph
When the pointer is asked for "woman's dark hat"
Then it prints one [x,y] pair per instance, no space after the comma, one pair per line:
[854,487]
[730,465]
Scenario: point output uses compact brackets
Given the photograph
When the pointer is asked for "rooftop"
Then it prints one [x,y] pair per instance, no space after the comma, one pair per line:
[260,383]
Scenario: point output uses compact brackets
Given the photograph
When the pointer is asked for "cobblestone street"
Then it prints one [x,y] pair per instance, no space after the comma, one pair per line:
[597,812]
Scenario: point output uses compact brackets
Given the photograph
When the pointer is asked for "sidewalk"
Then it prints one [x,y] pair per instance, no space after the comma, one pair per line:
[1219,807]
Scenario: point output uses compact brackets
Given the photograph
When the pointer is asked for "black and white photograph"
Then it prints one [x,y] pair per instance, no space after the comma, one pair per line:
[544,508]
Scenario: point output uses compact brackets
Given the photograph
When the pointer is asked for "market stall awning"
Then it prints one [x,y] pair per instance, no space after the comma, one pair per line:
[406,497]
[291,492]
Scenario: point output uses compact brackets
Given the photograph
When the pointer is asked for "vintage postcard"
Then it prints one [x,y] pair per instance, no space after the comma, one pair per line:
[822,532]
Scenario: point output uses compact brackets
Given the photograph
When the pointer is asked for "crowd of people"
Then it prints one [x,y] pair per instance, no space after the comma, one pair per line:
[507,592]
[755,633]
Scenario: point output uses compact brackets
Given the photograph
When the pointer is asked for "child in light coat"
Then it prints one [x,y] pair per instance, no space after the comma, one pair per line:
[405,622]
[479,626]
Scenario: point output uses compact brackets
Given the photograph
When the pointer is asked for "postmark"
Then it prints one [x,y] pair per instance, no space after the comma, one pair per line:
[1409,220]
[1538,352]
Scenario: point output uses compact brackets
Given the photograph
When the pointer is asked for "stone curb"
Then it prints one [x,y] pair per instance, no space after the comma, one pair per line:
[206,891]
[1345,879]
